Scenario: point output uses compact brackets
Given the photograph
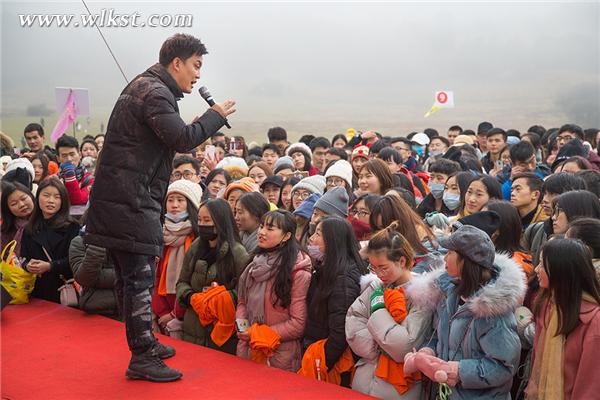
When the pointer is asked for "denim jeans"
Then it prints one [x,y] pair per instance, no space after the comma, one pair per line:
[134,282]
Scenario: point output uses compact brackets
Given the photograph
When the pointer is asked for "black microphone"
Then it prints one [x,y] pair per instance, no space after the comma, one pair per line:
[209,99]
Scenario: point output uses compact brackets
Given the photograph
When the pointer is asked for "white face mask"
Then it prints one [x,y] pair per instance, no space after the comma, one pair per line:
[177,217]
[451,200]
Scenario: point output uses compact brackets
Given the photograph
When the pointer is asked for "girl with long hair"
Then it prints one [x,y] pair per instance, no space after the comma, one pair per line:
[16,208]
[272,294]
[46,240]
[475,340]
[216,257]
[334,286]
[567,322]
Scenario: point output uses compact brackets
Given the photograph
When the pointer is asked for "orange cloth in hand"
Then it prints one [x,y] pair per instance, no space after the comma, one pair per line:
[316,353]
[388,369]
[263,342]
[215,306]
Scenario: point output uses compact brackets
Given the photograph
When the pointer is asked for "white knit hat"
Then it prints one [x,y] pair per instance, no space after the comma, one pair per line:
[299,146]
[341,169]
[314,184]
[189,189]
[21,163]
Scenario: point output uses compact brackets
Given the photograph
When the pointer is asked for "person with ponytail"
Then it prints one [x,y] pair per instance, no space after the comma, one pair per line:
[272,296]
[567,324]
[385,322]
[214,260]
[334,286]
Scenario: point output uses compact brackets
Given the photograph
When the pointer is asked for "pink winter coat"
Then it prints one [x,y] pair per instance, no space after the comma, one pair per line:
[288,322]
[581,354]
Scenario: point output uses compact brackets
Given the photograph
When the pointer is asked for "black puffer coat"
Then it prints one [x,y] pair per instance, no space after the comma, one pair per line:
[330,324]
[143,134]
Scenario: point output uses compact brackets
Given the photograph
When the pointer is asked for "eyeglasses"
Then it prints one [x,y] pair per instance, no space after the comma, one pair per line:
[335,181]
[557,210]
[301,195]
[186,175]
[564,138]
[360,213]
[379,272]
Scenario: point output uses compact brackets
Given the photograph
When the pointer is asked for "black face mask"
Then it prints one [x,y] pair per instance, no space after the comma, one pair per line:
[207,232]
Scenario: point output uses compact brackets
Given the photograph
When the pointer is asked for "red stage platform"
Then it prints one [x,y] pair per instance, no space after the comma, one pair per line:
[55,352]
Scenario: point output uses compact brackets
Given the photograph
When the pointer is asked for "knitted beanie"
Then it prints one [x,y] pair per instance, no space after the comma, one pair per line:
[360,151]
[299,147]
[334,202]
[245,184]
[306,208]
[314,184]
[192,191]
[21,163]
[341,169]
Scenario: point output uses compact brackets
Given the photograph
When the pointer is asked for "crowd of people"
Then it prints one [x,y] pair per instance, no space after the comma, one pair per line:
[464,264]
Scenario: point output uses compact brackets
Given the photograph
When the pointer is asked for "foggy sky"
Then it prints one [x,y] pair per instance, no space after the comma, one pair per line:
[321,68]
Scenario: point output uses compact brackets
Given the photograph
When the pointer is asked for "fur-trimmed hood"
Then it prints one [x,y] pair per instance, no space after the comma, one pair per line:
[498,297]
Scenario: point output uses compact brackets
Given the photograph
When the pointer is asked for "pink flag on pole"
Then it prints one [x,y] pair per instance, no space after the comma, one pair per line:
[66,118]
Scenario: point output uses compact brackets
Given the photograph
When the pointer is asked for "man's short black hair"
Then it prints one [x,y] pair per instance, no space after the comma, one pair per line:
[540,130]
[576,129]
[34,127]
[319,142]
[533,181]
[377,146]
[272,147]
[431,133]
[277,133]
[455,128]
[183,159]
[182,46]
[306,139]
[521,152]
[563,182]
[442,139]
[513,132]
[444,166]
[336,151]
[483,127]
[496,131]
[66,141]
[389,153]
[469,132]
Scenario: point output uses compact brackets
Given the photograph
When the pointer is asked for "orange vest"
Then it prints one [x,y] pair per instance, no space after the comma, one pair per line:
[314,365]
[388,369]
[215,306]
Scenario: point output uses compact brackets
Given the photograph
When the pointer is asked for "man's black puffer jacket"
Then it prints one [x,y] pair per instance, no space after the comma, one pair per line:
[143,134]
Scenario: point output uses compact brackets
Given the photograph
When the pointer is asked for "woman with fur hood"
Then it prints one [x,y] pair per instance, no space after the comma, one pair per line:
[385,322]
[475,342]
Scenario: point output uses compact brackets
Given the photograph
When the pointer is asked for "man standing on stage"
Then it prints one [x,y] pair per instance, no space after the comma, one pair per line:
[143,134]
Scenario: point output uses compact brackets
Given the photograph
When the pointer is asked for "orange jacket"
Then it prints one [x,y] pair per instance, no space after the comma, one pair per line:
[388,369]
[215,306]
[314,365]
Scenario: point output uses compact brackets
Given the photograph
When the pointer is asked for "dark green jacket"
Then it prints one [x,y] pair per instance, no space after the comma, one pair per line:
[195,275]
[95,272]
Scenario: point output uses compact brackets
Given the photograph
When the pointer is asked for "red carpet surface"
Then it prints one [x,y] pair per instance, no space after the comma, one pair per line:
[55,352]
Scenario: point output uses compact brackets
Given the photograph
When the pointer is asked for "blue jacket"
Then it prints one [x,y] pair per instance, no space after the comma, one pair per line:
[480,334]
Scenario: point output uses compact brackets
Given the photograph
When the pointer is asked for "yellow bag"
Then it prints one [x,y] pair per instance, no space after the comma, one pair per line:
[18,282]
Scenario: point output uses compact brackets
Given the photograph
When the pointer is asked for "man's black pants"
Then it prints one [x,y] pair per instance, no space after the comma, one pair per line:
[134,282]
